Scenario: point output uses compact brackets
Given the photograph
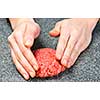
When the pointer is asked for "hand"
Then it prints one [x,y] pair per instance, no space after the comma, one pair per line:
[21,40]
[75,36]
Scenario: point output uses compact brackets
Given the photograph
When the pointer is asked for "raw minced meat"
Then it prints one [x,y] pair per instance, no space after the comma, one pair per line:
[48,64]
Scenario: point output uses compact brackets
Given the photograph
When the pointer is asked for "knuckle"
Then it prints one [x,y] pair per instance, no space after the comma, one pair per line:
[64,37]
[79,45]
[31,58]
[76,52]
[16,35]
[24,51]
[36,27]
[76,48]
[25,65]
[70,47]
[63,40]
[60,49]
[57,24]
[27,68]
[75,31]
[9,38]
[20,58]
[66,56]
[63,26]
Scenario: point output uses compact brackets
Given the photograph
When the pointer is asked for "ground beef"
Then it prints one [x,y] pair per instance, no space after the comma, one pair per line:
[48,65]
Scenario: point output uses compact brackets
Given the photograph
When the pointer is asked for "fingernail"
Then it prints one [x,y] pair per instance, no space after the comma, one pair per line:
[32,74]
[26,76]
[28,42]
[36,67]
[55,31]
[69,65]
[64,62]
[58,56]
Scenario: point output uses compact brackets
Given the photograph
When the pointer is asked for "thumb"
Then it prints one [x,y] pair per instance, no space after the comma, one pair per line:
[31,34]
[28,40]
[56,31]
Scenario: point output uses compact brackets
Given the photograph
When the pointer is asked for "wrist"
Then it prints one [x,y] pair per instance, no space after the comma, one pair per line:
[92,23]
[16,21]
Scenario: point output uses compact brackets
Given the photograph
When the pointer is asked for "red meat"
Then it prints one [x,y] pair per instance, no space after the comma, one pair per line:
[48,65]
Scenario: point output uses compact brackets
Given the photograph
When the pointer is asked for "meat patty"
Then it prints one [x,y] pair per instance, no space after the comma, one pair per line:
[48,64]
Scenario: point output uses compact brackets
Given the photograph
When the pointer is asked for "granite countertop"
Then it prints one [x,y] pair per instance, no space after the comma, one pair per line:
[86,68]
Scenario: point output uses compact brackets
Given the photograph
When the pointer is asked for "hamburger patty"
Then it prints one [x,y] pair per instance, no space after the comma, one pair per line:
[48,64]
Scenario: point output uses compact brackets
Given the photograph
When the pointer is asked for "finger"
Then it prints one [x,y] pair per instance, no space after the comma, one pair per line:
[63,39]
[27,53]
[21,58]
[19,66]
[74,56]
[30,34]
[76,52]
[69,48]
[56,31]
[30,57]
[29,41]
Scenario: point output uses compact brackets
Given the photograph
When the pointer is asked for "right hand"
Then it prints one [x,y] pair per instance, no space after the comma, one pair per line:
[20,41]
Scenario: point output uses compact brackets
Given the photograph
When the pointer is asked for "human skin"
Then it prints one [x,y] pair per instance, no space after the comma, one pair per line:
[25,30]
[75,37]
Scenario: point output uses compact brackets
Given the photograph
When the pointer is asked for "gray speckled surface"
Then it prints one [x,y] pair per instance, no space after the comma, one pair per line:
[87,67]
